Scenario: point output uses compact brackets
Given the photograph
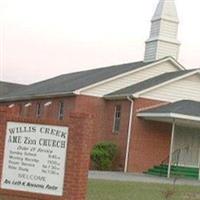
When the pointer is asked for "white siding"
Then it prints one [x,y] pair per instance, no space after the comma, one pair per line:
[155,29]
[188,88]
[163,36]
[169,29]
[157,49]
[150,51]
[166,48]
[130,79]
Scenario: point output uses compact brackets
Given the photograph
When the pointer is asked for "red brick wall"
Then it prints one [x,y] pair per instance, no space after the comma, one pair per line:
[77,162]
[121,137]
[103,112]
[154,136]
[150,141]
[49,112]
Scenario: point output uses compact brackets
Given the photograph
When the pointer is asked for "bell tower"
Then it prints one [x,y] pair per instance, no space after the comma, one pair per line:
[163,35]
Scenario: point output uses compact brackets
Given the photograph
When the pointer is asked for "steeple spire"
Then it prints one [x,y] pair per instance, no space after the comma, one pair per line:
[166,9]
[164,28]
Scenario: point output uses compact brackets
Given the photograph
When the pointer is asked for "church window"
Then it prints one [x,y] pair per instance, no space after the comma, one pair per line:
[38,110]
[61,110]
[117,118]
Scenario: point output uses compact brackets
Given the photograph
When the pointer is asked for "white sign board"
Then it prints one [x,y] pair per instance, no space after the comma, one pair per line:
[34,158]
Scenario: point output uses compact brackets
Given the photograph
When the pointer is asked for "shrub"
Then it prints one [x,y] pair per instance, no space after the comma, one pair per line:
[103,155]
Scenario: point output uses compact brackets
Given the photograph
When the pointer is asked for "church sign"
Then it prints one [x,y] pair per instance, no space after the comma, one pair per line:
[34,158]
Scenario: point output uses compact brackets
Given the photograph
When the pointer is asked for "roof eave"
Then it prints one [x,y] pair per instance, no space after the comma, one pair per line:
[117,97]
[169,115]
[34,97]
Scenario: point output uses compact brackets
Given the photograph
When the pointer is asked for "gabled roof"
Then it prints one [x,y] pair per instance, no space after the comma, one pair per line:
[68,83]
[6,87]
[149,83]
[71,84]
[184,107]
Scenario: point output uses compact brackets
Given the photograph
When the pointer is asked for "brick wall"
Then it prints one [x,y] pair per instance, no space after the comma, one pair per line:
[77,162]
[103,112]
[150,141]
[47,112]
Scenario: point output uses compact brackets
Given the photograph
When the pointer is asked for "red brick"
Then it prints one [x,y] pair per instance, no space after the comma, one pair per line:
[150,141]
[77,162]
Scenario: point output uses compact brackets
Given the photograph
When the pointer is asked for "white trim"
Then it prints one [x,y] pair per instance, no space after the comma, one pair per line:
[27,105]
[171,148]
[186,117]
[48,103]
[176,64]
[170,115]
[11,105]
[169,19]
[117,96]
[137,94]
[164,39]
[154,115]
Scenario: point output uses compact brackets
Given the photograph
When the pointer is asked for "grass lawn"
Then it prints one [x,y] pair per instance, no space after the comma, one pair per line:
[115,190]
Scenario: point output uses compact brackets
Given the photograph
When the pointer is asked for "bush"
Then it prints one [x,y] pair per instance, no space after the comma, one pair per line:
[103,155]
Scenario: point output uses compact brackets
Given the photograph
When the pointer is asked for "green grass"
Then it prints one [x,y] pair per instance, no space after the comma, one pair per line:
[115,190]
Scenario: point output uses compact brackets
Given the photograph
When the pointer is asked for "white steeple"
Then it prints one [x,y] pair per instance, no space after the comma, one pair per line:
[163,37]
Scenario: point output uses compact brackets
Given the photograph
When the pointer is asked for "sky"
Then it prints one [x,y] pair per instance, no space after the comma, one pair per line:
[41,39]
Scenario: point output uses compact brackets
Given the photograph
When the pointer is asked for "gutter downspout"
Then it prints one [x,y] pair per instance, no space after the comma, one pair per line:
[129,134]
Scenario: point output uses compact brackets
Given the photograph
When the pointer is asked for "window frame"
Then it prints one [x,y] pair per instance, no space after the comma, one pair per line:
[61,111]
[25,112]
[38,110]
[117,118]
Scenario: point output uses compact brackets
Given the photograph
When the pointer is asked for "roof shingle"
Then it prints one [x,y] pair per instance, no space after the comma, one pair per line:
[6,87]
[185,107]
[147,84]
[66,84]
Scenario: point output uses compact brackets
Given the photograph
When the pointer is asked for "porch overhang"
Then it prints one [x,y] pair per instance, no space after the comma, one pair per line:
[184,112]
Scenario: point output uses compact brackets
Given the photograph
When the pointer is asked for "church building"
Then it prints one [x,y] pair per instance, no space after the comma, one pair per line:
[150,108]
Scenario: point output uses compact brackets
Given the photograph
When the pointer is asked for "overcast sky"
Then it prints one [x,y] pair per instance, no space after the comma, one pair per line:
[44,38]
